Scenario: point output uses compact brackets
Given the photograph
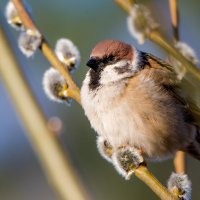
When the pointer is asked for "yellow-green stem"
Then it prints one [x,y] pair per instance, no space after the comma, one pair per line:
[125,4]
[173,5]
[180,162]
[147,177]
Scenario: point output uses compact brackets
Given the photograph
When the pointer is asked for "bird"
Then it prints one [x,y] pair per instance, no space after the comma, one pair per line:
[133,98]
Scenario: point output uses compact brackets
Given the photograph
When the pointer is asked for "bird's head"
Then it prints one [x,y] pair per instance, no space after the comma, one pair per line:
[111,61]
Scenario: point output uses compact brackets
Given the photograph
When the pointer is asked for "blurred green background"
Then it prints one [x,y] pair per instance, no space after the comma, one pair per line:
[85,23]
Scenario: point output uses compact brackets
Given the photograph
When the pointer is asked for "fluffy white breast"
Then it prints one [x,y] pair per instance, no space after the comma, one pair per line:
[100,104]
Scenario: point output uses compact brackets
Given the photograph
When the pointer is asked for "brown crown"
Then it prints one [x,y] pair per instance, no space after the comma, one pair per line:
[118,49]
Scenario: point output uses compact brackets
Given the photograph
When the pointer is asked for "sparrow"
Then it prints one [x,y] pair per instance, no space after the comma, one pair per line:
[133,98]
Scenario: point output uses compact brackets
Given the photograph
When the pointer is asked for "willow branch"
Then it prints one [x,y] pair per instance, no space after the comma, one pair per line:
[55,164]
[173,5]
[147,177]
[155,37]
[179,160]
[126,5]
[73,90]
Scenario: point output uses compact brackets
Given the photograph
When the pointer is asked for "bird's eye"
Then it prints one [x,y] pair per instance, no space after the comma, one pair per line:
[110,58]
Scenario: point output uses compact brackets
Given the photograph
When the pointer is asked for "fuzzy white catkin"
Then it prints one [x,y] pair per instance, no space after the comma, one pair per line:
[102,148]
[29,41]
[11,14]
[182,183]
[68,54]
[123,158]
[140,22]
[50,78]
[187,52]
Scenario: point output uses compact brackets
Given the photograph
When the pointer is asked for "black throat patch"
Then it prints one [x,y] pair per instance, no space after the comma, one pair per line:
[95,74]
[95,77]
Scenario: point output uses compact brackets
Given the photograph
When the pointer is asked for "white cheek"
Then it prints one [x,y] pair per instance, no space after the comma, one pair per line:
[109,74]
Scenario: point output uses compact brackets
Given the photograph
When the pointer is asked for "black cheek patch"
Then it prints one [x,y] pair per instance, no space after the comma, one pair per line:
[143,61]
[124,69]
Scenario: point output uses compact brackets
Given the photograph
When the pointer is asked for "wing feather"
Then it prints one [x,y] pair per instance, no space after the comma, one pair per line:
[186,91]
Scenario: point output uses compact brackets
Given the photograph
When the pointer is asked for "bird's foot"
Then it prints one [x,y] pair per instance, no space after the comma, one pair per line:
[126,159]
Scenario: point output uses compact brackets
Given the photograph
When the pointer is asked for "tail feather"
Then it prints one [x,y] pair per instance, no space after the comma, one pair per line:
[198,134]
[194,148]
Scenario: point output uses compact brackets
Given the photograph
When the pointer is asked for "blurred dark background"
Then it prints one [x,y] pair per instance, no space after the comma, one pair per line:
[85,23]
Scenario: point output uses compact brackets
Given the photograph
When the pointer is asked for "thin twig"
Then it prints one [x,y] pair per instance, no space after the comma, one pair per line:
[173,5]
[147,177]
[179,160]
[126,5]
[57,167]
[73,90]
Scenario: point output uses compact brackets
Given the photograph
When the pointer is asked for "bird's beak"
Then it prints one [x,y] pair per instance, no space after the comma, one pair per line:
[93,63]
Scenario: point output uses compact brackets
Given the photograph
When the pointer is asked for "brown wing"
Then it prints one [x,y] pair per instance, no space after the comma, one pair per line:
[186,91]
